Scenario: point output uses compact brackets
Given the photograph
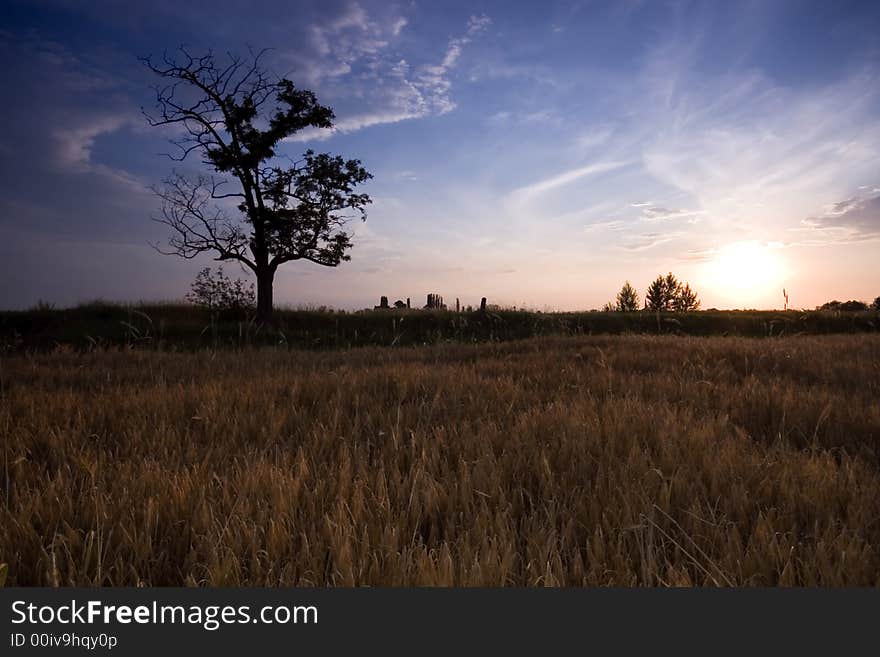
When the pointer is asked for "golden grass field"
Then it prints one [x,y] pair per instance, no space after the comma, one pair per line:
[628,461]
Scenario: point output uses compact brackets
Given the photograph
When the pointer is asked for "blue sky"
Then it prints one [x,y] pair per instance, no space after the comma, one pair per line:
[536,153]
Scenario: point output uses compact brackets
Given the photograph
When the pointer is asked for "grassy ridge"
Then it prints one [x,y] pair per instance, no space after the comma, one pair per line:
[187,327]
[631,460]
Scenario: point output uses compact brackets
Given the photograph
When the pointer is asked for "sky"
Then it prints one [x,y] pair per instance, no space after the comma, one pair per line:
[538,154]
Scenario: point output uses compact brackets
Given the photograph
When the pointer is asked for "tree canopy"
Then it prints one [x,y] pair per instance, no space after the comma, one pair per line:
[627,299]
[668,294]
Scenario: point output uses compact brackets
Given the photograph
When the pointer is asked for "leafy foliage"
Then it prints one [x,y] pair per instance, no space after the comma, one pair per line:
[216,291]
[655,295]
[661,293]
[686,300]
[667,294]
[627,299]
[673,287]
[851,305]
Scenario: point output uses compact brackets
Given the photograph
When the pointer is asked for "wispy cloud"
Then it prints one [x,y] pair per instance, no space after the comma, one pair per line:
[854,219]
[397,90]
[340,41]
[398,25]
[657,213]
[699,255]
[475,25]
[646,241]
[527,193]
[75,142]
[600,226]
[754,154]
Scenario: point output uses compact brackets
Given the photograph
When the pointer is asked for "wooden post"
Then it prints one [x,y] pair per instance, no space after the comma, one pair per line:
[457,305]
[483,305]
[407,302]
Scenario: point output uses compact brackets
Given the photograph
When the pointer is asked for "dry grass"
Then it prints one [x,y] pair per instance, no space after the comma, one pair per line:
[565,461]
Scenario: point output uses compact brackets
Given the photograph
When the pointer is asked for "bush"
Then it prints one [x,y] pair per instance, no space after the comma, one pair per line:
[217,292]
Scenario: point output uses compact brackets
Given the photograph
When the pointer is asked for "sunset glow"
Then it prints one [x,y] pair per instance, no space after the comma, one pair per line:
[746,273]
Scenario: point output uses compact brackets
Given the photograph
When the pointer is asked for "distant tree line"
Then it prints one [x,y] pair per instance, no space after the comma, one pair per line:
[851,305]
[664,294]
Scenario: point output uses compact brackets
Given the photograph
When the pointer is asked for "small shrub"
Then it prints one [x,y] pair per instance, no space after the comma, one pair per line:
[217,292]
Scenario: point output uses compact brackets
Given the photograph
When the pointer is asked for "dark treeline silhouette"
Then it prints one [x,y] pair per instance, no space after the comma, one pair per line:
[178,326]
[851,305]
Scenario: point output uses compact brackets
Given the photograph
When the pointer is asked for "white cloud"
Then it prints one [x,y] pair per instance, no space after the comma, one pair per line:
[525,194]
[398,25]
[75,143]
[647,241]
[755,155]
[600,226]
[347,37]
[594,137]
[451,56]
[854,219]
[396,90]
[657,213]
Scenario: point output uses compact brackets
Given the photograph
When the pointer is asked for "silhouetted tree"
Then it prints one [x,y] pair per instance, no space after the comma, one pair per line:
[627,299]
[234,115]
[662,292]
[686,300]
[876,304]
[673,287]
[851,305]
[655,295]
[667,294]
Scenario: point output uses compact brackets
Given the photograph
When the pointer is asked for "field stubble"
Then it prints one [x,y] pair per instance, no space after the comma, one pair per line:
[630,460]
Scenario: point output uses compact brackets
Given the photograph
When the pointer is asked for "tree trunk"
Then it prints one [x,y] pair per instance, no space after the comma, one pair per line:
[265,280]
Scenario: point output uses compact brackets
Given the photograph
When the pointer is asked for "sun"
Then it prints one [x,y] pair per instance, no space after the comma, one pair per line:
[746,273]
